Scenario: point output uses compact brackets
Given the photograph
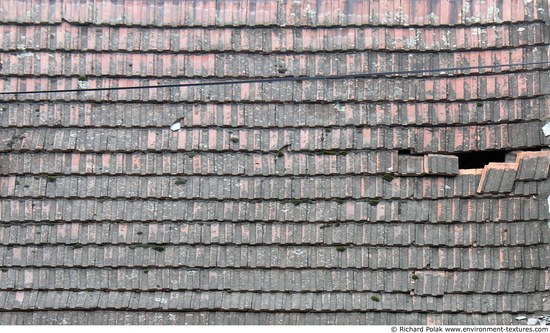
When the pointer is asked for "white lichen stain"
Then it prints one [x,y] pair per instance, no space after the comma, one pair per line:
[339,107]
[414,41]
[25,55]
[493,12]
[444,39]
[397,17]
[82,84]
[310,14]
[476,31]
[498,32]
[465,9]
[432,18]
[161,300]
[395,92]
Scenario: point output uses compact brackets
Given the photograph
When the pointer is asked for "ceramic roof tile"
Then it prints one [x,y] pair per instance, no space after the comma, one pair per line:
[498,177]
[275,13]
[295,200]
[299,302]
[533,165]
[441,164]
[231,65]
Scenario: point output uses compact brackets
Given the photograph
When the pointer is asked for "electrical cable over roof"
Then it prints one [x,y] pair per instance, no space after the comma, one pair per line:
[283,79]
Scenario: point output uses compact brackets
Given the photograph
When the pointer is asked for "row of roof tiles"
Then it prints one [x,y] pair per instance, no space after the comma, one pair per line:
[440,210]
[249,301]
[147,115]
[489,86]
[80,38]
[258,65]
[191,163]
[250,188]
[282,257]
[252,318]
[532,167]
[291,141]
[424,282]
[489,234]
[273,12]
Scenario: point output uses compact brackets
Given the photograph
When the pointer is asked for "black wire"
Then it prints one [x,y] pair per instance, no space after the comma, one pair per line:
[282,79]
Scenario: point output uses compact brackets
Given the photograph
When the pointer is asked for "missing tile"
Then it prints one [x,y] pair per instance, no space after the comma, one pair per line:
[479,159]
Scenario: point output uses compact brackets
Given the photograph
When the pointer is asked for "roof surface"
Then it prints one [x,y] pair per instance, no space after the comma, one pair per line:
[313,202]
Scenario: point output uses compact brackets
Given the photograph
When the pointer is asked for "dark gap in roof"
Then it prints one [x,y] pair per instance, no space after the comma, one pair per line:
[531,149]
[479,159]
[404,152]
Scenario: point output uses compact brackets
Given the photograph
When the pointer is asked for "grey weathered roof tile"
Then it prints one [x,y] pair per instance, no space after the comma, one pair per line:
[388,226]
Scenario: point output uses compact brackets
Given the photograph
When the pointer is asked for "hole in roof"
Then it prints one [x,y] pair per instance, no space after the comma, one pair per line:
[479,159]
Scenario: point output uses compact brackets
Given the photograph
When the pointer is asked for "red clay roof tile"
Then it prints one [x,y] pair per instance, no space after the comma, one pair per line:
[296,201]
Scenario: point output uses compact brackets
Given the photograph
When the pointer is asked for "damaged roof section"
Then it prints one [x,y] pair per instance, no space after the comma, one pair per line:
[398,199]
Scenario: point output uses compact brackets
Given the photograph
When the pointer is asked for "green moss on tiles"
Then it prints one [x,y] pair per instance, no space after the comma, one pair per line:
[281,69]
[280,152]
[479,104]
[51,179]
[375,298]
[17,182]
[4,270]
[297,202]
[340,248]
[158,248]
[180,181]
[334,152]
[374,202]
[76,246]
[146,271]
[234,139]
[388,177]
[339,201]
[139,233]
[328,129]
[329,225]
[414,277]
[82,78]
